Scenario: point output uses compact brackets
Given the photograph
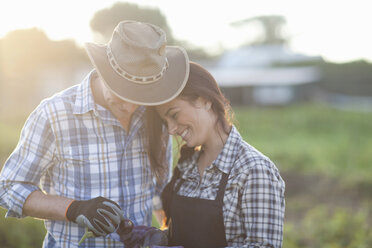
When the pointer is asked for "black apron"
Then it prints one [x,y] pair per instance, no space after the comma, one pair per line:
[196,222]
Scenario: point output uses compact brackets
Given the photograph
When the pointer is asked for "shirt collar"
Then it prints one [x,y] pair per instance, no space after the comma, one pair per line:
[84,101]
[224,161]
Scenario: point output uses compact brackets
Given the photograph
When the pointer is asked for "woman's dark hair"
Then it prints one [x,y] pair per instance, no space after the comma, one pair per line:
[199,84]
[157,143]
[202,84]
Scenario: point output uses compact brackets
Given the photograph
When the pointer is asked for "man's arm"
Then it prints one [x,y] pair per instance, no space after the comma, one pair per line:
[28,162]
[42,206]
[100,215]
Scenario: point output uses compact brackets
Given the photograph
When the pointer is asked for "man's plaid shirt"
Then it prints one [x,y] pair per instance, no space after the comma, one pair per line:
[74,148]
[254,198]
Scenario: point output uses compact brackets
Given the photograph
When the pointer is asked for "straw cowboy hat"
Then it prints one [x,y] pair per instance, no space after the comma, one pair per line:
[138,66]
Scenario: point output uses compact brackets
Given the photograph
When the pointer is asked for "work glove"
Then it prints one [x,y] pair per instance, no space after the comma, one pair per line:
[142,236]
[100,215]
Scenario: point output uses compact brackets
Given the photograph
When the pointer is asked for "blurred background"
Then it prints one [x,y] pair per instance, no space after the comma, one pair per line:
[298,75]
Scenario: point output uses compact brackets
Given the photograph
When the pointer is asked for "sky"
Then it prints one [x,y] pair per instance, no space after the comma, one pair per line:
[337,30]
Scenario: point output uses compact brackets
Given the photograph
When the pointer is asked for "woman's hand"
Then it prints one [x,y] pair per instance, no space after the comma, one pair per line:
[143,236]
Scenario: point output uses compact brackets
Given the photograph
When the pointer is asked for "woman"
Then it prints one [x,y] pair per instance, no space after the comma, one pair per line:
[223,193]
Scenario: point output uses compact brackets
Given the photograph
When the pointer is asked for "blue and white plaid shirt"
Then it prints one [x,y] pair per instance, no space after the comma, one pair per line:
[254,204]
[74,148]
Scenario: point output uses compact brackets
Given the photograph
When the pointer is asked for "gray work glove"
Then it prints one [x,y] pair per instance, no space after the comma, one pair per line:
[100,215]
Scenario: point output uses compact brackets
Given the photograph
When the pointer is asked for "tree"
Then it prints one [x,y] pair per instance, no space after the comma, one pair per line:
[105,20]
[27,51]
[28,57]
[271,26]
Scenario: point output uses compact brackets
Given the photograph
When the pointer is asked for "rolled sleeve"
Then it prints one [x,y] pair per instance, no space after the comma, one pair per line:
[15,198]
[24,168]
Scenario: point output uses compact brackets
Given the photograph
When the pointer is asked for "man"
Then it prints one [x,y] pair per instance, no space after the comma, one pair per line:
[83,158]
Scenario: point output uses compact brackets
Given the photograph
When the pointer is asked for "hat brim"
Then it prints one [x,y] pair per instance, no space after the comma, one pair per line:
[159,92]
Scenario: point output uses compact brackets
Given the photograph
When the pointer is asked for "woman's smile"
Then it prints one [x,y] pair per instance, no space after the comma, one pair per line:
[189,120]
[184,133]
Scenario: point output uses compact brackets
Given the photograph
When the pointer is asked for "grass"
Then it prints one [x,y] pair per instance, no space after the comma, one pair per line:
[311,138]
[20,233]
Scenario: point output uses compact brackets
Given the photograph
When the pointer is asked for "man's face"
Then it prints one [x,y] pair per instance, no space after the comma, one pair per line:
[121,109]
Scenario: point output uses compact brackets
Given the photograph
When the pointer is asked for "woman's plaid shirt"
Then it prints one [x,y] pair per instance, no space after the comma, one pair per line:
[254,198]
[72,147]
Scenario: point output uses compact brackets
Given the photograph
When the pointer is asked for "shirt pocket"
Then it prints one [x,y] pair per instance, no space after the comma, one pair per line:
[88,169]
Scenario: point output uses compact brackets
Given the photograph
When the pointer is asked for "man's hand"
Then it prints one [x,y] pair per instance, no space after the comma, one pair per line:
[100,215]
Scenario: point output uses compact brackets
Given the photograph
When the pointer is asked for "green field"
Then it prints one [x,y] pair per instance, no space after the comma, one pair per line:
[324,156]
[312,138]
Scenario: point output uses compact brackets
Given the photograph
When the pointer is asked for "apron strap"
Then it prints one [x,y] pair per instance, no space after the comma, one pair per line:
[221,188]
[177,174]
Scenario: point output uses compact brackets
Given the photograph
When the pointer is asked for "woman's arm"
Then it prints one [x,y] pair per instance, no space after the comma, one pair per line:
[263,206]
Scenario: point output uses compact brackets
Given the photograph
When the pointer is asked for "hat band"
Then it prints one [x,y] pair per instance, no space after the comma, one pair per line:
[136,79]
